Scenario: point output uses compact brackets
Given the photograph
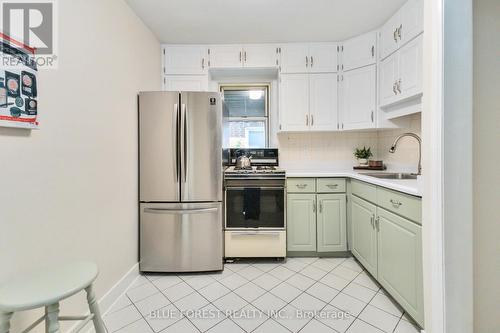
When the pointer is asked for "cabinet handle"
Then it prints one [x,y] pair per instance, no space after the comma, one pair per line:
[394,88]
[373,51]
[398,85]
[245,56]
[372,221]
[301,186]
[394,35]
[372,116]
[312,120]
[399,31]
[395,203]
[377,223]
[312,61]
[321,206]
[314,207]
[332,186]
[307,120]
[240,56]
[203,63]
[307,61]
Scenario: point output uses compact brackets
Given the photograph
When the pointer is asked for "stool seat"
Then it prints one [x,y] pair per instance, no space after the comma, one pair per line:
[47,286]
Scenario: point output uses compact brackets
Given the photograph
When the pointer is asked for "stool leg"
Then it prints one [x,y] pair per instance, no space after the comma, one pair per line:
[94,309]
[5,321]
[52,319]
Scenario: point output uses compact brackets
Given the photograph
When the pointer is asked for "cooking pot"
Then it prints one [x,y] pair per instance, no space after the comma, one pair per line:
[243,162]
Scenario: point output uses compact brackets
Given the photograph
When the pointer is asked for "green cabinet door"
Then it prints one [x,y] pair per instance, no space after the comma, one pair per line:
[364,234]
[400,261]
[301,222]
[331,223]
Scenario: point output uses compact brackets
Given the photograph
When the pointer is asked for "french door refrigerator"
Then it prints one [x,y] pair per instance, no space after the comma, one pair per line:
[180,181]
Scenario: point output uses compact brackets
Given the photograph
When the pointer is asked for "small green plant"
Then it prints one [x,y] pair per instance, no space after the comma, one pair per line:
[363,152]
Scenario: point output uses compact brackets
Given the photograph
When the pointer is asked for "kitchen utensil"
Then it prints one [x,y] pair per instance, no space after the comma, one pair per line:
[243,162]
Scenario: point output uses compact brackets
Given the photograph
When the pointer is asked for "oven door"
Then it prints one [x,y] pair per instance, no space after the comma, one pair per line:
[255,207]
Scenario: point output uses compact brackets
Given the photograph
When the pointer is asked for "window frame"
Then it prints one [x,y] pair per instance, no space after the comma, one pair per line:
[267,115]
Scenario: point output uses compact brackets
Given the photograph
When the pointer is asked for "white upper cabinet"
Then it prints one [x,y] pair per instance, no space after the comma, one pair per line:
[388,77]
[309,58]
[294,102]
[260,55]
[401,74]
[402,27]
[357,94]
[359,51]
[295,58]
[323,57]
[308,102]
[389,36]
[185,83]
[412,20]
[226,56]
[323,102]
[185,59]
[410,69]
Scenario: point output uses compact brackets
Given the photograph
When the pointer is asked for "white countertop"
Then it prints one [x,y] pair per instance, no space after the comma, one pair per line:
[408,186]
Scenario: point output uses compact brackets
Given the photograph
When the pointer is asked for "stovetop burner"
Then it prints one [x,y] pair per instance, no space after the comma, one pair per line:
[265,167]
[243,168]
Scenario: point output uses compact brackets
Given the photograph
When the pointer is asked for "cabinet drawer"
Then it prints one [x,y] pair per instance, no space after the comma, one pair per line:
[364,190]
[402,204]
[301,185]
[330,185]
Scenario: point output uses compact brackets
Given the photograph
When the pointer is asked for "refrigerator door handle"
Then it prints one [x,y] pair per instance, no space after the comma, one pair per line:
[185,139]
[176,142]
[179,211]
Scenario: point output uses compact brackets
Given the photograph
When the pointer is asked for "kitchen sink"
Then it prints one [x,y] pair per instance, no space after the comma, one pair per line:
[389,175]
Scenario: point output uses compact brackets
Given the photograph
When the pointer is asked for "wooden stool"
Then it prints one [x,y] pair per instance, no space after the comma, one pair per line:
[47,288]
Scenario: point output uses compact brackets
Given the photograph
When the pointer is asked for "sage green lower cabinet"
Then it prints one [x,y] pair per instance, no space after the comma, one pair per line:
[301,222]
[331,223]
[400,261]
[364,233]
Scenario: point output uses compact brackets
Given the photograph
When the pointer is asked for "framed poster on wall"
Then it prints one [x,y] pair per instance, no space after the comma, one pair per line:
[18,85]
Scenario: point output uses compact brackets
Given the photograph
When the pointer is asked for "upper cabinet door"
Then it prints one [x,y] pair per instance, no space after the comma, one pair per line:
[323,102]
[294,102]
[359,51]
[185,83]
[410,69]
[295,58]
[357,98]
[389,38]
[226,56]
[185,59]
[323,57]
[260,55]
[389,76]
[412,20]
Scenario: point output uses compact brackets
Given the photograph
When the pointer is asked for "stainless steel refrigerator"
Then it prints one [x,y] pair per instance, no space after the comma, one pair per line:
[180,184]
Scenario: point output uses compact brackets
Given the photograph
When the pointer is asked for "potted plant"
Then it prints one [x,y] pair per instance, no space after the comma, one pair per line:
[363,154]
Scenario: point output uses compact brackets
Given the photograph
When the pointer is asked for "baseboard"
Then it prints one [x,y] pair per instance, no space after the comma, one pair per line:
[107,301]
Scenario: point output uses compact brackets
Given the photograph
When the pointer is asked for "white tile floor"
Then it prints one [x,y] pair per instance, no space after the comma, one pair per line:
[261,297]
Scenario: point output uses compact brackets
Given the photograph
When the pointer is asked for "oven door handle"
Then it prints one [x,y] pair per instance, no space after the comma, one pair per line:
[245,233]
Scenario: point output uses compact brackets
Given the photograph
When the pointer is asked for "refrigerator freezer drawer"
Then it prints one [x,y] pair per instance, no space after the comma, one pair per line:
[245,244]
[181,237]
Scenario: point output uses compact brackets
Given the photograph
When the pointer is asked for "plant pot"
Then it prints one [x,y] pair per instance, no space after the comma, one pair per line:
[363,161]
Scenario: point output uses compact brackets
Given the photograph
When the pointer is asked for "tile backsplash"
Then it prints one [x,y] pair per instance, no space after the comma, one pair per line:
[335,149]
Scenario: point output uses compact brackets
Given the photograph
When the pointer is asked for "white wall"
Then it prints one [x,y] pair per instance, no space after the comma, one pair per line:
[69,190]
[486,161]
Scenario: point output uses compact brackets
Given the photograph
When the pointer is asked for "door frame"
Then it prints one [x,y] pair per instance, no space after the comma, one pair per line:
[447,158]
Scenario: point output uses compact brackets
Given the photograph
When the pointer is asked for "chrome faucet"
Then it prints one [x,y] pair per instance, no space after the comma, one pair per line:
[413,135]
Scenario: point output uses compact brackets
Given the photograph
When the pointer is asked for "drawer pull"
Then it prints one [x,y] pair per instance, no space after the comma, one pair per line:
[301,186]
[395,203]
[332,185]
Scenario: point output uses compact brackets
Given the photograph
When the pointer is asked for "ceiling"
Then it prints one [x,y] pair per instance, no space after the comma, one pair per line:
[259,21]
